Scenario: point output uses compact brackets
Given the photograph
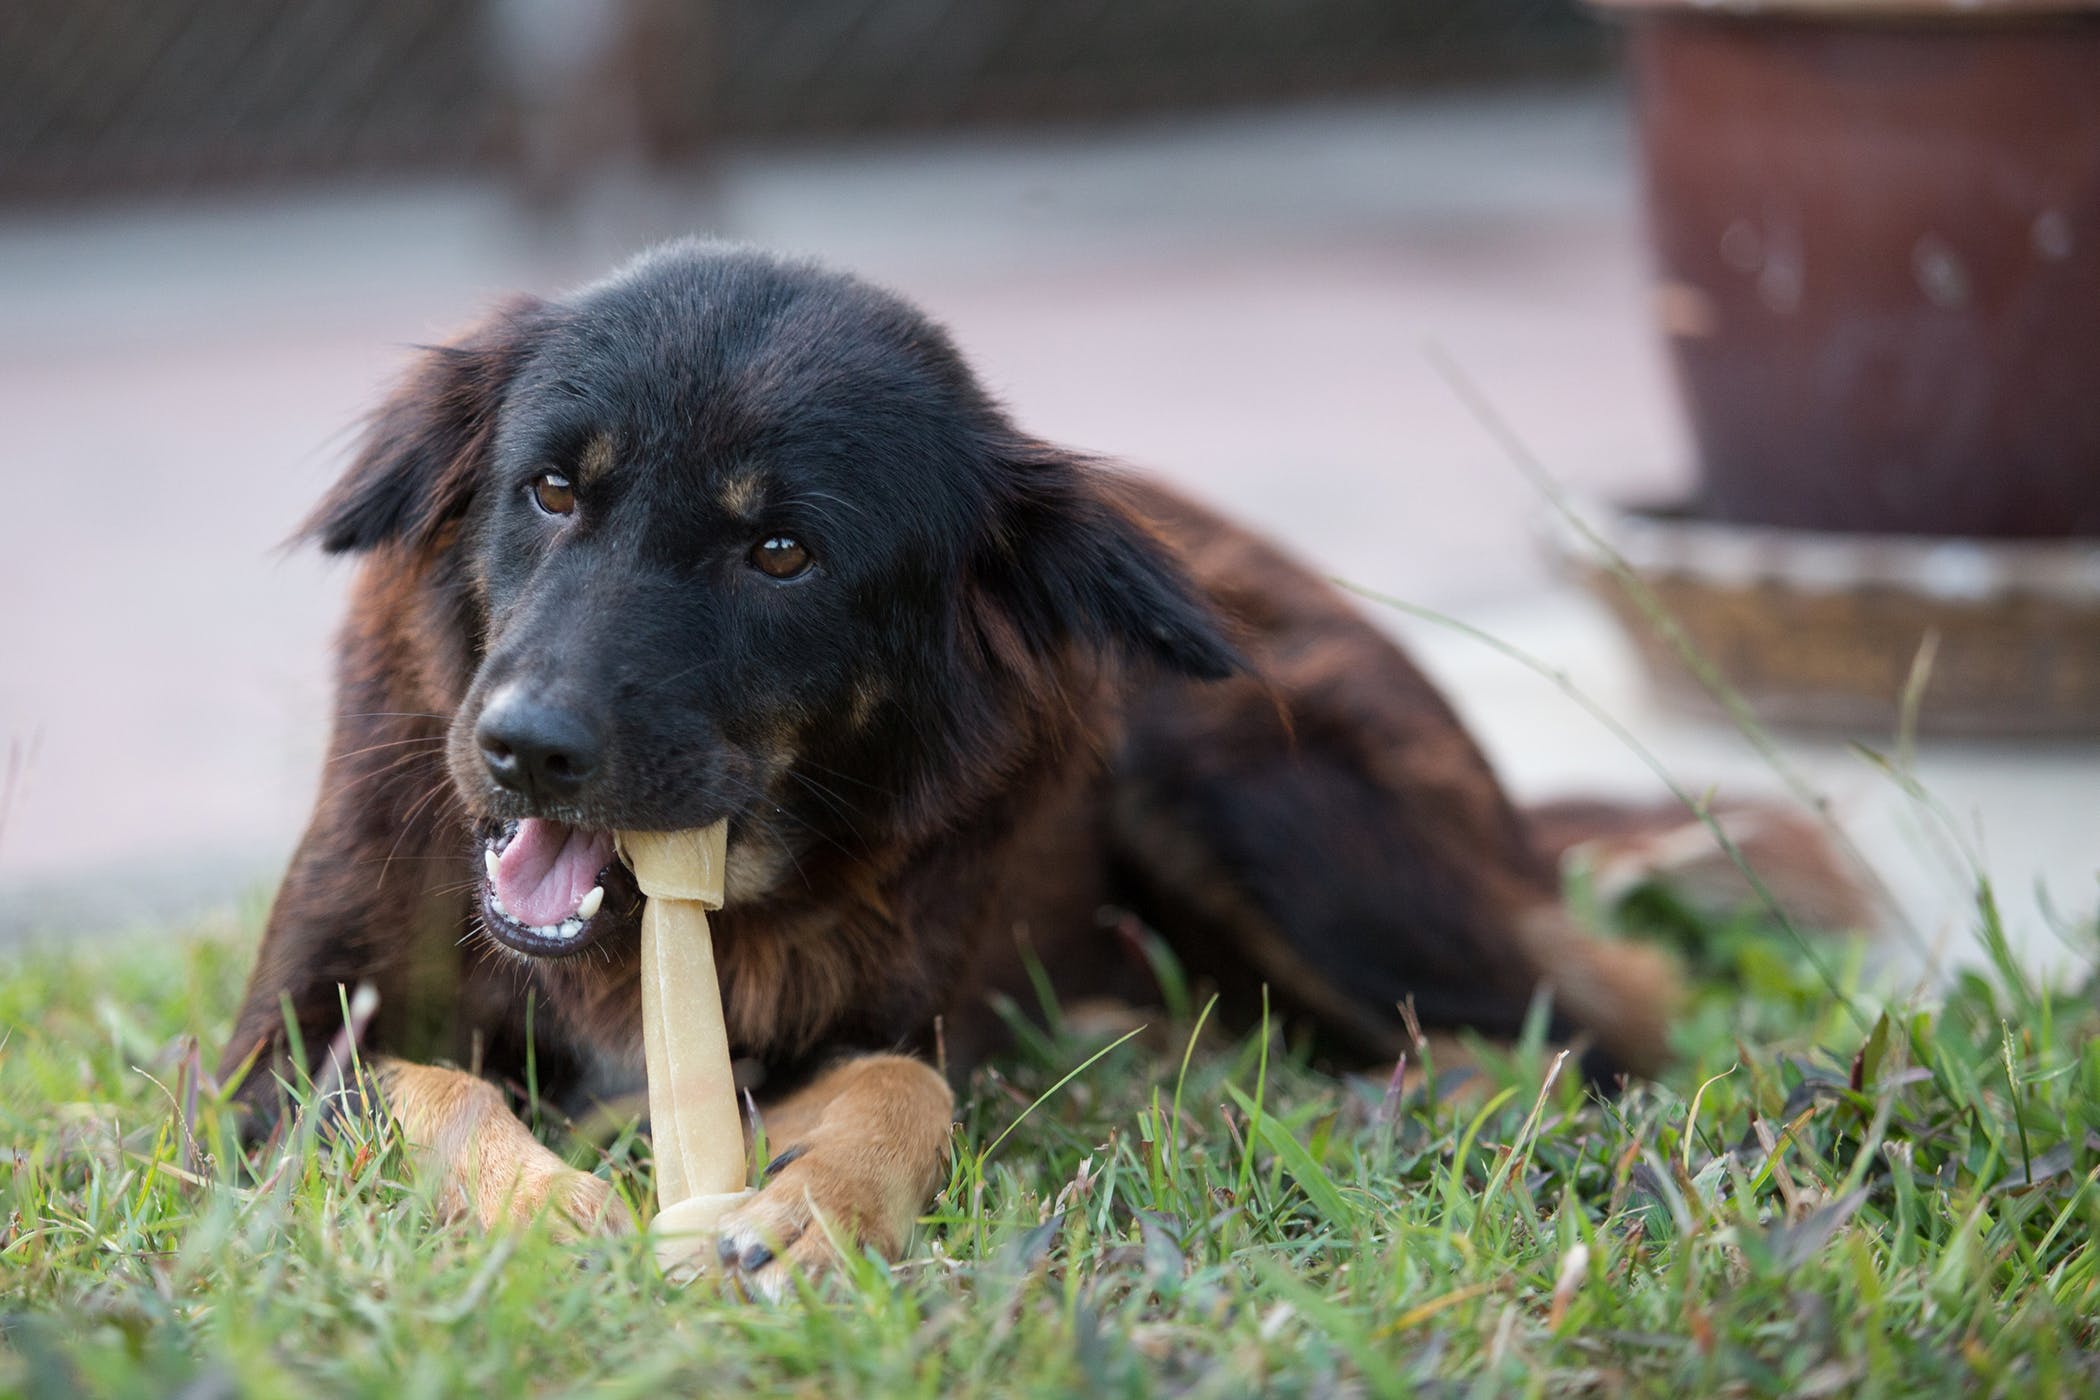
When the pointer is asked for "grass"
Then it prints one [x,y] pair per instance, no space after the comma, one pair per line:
[1803,1207]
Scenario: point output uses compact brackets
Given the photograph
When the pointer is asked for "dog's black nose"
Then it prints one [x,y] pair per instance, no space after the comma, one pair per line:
[542,750]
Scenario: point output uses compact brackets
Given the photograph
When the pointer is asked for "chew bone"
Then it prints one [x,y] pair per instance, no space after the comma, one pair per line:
[697,1133]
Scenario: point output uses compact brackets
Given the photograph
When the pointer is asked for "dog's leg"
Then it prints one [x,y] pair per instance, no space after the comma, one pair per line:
[373,896]
[1331,832]
[1327,828]
[860,1150]
[488,1164]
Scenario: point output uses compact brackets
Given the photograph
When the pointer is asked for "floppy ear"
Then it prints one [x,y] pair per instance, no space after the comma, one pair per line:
[415,471]
[1072,560]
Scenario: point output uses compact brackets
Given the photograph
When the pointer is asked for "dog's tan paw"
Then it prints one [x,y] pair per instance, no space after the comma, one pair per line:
[868,1143]
[816,1205]
[581,1206]
[487,1164]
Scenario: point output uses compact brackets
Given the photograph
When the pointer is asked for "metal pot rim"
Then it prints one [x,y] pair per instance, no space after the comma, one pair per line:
[1665,540]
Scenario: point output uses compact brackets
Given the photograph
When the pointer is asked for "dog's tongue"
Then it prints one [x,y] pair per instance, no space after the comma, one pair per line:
[547,869]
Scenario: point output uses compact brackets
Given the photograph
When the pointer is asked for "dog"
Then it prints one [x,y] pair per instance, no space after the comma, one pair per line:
[730,536]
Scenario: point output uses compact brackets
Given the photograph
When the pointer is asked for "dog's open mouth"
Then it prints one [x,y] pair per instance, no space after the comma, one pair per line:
[544,884]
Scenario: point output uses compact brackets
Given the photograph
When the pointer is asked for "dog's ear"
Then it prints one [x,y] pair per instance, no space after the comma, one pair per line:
[415,470]
[1072,559]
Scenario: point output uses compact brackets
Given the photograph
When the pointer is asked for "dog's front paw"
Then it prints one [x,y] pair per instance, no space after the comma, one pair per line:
[583,1207]
[814,1205]
[870,1145]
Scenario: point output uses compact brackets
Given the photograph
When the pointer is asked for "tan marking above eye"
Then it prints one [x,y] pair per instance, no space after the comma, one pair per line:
[595,460]
[553,494]
[741,494]
[780,556]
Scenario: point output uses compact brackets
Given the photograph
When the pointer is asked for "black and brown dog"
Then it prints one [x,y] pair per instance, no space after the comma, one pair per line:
[730,536]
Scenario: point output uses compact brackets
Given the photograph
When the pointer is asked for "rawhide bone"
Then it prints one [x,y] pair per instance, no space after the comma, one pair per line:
[696,1132]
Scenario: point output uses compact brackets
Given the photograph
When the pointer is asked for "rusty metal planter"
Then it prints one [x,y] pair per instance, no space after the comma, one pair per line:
[1877,233]
[1876,229]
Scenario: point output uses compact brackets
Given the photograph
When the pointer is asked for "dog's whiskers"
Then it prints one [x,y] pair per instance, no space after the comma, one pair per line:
[808,498]
[662,682]
[805,761]
[834,802]
[392,768]
[438,792]
[435,742]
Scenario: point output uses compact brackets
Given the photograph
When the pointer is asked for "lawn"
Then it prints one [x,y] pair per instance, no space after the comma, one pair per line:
[1832,1193]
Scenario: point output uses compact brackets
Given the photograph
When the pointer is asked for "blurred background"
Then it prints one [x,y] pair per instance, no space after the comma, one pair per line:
[1231,243]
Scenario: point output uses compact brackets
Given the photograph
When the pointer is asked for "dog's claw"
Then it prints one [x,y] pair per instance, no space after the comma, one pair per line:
[738,1252]
[746,1261]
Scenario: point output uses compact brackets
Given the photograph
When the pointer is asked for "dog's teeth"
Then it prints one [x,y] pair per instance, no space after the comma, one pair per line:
[488,859]
[591,901]
[496,903]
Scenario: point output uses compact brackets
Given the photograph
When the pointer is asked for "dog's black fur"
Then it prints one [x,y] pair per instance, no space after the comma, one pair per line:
[1008,690]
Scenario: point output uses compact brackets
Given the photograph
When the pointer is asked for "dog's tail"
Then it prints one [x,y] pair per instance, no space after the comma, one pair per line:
[1627,994]
[1796,866]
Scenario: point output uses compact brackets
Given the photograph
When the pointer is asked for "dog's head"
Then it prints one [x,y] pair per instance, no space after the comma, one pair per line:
[735,537]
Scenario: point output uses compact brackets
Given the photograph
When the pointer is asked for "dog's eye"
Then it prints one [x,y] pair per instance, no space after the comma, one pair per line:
[553,494]
[780,556]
